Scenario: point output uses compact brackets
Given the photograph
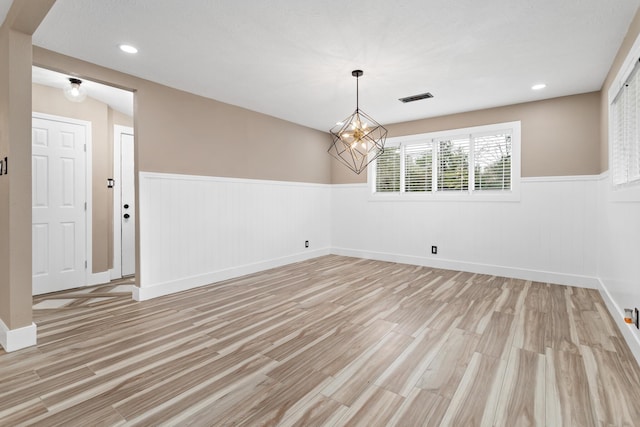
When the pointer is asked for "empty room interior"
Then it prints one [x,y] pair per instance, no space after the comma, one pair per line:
[324,213]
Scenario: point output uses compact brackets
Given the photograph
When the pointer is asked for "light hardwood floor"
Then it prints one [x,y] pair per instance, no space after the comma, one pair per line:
[330,341]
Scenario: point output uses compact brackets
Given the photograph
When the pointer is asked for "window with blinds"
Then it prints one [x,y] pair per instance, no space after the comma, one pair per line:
[388,170]
[492,162]
[625,144]
[453,164]
[464,163]
[418,167]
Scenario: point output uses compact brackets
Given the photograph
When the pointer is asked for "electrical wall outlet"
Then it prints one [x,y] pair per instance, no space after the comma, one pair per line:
[306,243]
[434,250]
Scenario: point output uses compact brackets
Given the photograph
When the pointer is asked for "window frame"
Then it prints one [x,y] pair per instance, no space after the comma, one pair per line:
[628,192]
[512,195]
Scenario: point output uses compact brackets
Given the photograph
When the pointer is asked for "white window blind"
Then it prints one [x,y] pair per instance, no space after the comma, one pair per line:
[388,170]
[625,149]
[418,167]
[492,161]
[453,164]
[484,159]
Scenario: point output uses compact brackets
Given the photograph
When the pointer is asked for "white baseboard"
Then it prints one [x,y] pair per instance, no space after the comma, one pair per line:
[98,278]
[632,338]
[494,270]
[17,339]
[143,293]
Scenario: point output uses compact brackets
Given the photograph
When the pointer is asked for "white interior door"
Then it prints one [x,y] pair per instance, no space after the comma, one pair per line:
[58,205]
[127,204]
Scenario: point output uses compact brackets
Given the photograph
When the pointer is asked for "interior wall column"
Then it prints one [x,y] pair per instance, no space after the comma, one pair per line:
[16,327]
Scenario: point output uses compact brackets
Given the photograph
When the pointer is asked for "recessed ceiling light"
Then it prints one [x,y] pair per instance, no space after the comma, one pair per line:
[538,86]
[128,48]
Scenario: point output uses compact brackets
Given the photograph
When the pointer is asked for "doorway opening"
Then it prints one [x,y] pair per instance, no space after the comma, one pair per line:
[107,111]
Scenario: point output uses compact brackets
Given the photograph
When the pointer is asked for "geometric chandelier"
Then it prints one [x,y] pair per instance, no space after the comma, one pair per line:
[358,139]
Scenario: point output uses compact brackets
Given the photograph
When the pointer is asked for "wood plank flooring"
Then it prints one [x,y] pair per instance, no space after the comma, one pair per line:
[333,341]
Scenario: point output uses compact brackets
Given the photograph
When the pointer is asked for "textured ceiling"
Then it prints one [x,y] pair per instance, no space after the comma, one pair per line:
[118,99]
[293,59]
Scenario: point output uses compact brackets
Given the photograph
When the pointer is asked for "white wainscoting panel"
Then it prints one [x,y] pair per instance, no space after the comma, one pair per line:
[549,235]
[197,230]
[619,257]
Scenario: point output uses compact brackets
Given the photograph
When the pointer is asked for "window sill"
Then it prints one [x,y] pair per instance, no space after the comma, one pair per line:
[630,193]
[440,196]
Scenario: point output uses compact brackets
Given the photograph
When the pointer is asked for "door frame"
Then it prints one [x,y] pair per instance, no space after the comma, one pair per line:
[88,187]
[118,130]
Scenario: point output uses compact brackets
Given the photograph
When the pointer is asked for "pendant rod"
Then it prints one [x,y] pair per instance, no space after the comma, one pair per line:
[357,74]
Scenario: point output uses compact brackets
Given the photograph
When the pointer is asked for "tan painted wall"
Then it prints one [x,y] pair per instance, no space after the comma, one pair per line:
[5,288]
[560,136]
[15,187]
[15,143]
[625,47]
[179,132]
[49,100]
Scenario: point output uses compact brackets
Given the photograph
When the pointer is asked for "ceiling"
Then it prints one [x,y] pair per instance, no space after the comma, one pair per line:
[293,59]
[118,99]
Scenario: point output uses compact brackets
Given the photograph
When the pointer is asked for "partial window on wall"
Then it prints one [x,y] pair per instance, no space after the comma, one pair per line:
[623,99]
[492,161]
[388,176]
[625,132]
[481,162]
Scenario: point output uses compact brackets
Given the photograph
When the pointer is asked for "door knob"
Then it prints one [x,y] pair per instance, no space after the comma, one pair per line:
[126,206]
[126,216]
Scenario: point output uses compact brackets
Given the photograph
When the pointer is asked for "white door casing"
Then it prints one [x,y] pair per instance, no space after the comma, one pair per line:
[123,194]
[127,199]
[59,203]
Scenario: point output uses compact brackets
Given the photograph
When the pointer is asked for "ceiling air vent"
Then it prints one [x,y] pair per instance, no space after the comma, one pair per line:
[416,97]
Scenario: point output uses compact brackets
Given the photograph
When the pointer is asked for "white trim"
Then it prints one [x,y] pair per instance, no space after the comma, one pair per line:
[562,178]
[88,183]
[159,175]
[166,288]
[358,185]
[624,72]
[471,267]
[116,271]
[447,196]
[632,338]
[17,339]
[624,194]
[524,180]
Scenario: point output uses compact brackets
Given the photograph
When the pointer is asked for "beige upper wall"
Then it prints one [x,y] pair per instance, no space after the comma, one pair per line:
[560,136]
[625,47]
[178,132]
[15,186]
[15,143]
